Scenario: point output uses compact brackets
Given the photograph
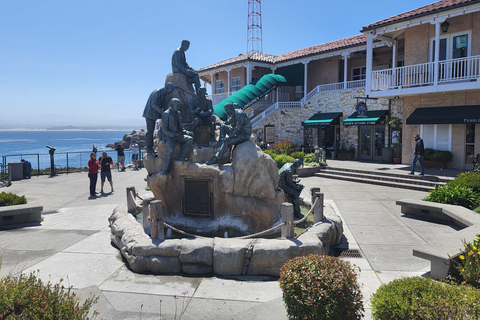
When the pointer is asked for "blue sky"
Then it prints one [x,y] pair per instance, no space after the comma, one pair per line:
[91,62]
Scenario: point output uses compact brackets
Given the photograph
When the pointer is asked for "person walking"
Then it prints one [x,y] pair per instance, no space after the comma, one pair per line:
[105,172]
[121,156]
[93,165]
[418,154]
[135,149]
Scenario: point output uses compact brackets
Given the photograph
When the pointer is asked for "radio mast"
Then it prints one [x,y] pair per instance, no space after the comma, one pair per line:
[254,29]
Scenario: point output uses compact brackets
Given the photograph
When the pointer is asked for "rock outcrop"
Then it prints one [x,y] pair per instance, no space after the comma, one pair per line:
[138,136]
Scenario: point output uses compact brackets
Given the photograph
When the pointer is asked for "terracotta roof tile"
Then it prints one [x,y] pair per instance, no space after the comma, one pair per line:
[357,40]
[422,11]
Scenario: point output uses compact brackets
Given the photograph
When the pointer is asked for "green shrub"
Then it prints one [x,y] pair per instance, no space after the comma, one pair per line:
[321,287]
[27,297]
[309,158]
[420,298]
[298,155]
[438,155]
[281,159]
[456,195]
[466,267]
[270,153]
[283,147]
[477,209]
[467,179]
[10,199]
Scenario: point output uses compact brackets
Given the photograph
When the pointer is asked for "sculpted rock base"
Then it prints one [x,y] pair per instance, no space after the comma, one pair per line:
[226,257]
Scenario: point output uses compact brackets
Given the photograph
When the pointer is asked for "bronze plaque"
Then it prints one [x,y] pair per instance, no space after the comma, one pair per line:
[196,198]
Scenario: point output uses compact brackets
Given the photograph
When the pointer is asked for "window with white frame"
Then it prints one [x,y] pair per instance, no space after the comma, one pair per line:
[437,136]
[235,84]
[359,73]
[452,46]
[219,86]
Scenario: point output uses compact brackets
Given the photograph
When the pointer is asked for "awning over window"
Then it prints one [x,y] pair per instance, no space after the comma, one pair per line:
[445,115]
[372,117]
[323,119]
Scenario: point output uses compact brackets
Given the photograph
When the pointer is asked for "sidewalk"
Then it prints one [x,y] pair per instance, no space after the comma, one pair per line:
[73,243]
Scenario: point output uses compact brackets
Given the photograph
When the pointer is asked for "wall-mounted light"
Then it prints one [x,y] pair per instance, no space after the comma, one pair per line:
[216,76]
[444,26]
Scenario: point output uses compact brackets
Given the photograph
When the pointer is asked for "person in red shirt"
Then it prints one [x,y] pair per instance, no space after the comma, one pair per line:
[93,166]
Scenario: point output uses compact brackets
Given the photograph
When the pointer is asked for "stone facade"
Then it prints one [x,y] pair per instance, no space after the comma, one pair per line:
[288,122]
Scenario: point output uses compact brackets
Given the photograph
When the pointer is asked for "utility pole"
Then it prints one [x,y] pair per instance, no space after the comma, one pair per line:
[254,28]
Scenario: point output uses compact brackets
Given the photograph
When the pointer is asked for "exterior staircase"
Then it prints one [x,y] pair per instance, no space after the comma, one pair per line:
[397,180]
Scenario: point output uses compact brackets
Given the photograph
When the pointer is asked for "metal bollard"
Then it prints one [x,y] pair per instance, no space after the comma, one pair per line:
[157,220]
[287,217]
[318,207]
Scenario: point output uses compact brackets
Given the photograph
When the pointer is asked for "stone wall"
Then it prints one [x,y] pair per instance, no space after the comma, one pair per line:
[288,122]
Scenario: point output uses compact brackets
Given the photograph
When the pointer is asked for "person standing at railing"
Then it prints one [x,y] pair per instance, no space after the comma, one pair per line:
[93,165]
[135,150]
[121,156]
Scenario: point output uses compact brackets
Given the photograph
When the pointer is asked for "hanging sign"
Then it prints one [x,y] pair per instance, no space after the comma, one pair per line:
[361,109]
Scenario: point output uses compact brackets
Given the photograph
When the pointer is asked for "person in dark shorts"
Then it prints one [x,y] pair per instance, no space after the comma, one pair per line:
[105,172]
[121,156]
[135,150]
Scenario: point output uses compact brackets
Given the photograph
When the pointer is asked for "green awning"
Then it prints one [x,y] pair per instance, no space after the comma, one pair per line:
[372,117]
[323,119]
[445,115]
[249,94]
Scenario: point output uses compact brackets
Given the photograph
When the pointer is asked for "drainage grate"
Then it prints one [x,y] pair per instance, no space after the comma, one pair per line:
[351,253]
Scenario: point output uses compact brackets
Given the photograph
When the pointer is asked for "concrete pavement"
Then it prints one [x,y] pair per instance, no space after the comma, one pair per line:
[73,243]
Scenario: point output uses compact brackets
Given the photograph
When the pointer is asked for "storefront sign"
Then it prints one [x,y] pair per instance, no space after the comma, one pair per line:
[361,109]
[471,120]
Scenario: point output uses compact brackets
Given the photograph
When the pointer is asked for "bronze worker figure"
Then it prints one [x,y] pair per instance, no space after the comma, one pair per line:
[157,103]
[290,186]
[180,65]
[173,132]
[237,127]
[202,112]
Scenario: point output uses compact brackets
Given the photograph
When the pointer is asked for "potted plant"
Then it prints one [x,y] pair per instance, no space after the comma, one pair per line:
[396,131]
[436,158]
[346,153]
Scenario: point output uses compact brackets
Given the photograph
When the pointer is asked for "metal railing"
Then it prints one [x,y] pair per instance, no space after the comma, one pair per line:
[64,162]
[278,105]
[423,74]
[334,87]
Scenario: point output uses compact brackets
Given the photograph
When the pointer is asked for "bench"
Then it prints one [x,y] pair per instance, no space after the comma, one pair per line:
[18,214]
[449,244]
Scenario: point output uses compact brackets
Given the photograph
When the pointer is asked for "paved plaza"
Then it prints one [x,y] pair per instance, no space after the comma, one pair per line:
[73,243]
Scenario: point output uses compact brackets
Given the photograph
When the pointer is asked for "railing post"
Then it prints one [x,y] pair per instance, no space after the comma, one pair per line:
[287,217]
[318,207]
[131,205]
[146,212]
[157,220]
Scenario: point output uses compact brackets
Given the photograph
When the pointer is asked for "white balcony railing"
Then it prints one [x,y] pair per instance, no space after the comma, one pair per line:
[279,105]
[333,87]
[461,69]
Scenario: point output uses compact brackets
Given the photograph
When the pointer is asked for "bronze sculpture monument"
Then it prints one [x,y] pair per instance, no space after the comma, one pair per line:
[237,127]
[157,103]
[291,186]
[173,133]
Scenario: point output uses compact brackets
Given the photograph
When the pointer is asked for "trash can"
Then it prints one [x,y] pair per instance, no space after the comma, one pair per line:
[15,171]
[387,155]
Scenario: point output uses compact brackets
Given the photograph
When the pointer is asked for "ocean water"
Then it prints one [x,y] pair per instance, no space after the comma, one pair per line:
[16,145]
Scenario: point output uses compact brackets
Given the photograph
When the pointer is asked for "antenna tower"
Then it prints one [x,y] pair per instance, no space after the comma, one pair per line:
[254,29]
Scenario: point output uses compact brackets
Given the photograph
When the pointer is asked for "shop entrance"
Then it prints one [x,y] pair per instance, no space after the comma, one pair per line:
[326,139]
[371,142]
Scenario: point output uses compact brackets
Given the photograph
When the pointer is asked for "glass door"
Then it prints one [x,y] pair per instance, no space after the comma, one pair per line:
[365,143]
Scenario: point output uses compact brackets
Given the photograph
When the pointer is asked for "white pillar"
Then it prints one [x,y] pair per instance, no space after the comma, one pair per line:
[249,73]
[345,69]
[212,76]
[228,77]
[437,53]
[305,64]
[394,64]
[368,76]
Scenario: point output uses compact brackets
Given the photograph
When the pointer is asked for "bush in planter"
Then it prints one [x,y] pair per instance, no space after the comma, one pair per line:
[420,298]
[298,155]
[466,267]
[281,159]
[454,194]
[437,155]
[467,179]
[11,199]
[283,147]
[270,153]
[321,287]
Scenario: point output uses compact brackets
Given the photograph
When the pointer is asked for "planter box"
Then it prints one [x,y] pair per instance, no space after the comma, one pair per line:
[398,160]
[434,164]
[345,156]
